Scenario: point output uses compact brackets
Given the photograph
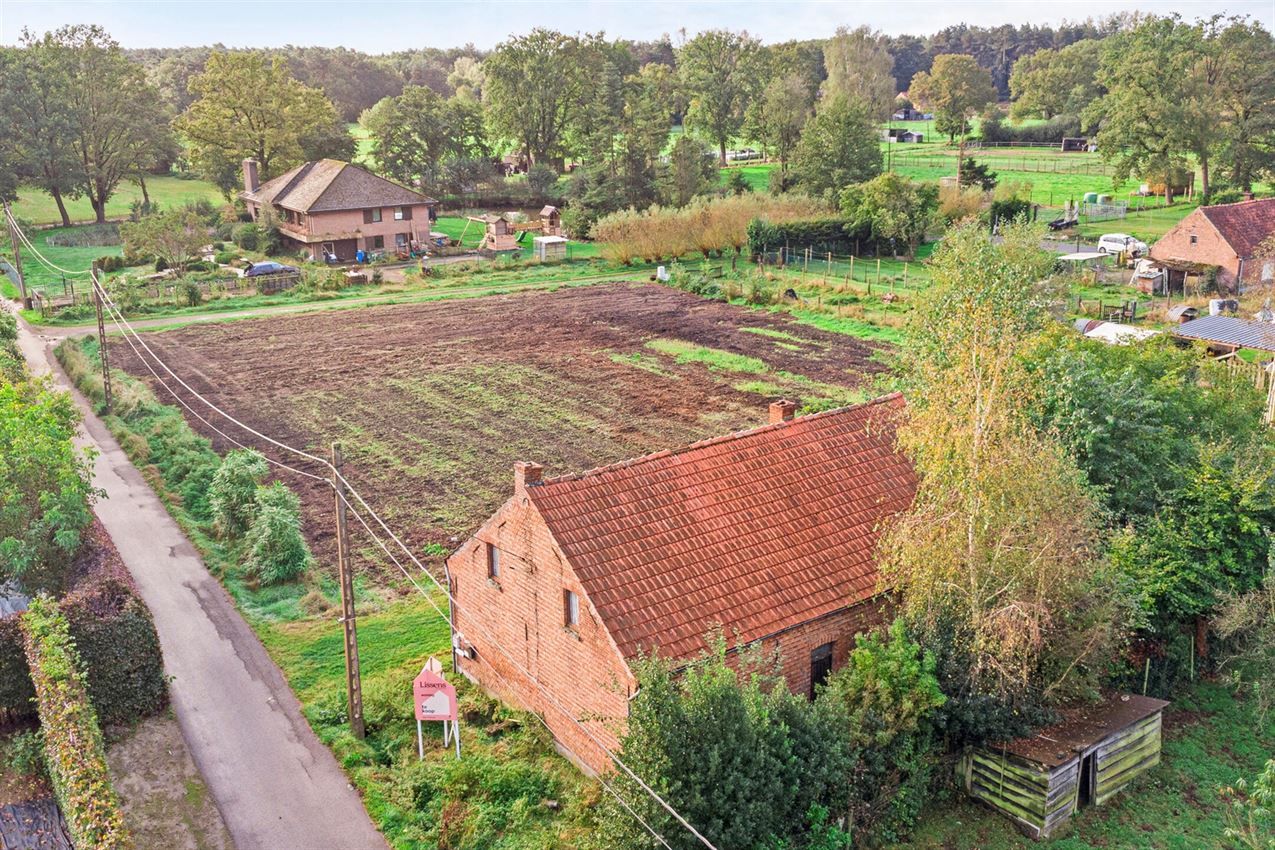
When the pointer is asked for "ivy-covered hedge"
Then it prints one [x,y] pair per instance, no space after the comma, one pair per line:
[821,235]
[115,635]
[73,748]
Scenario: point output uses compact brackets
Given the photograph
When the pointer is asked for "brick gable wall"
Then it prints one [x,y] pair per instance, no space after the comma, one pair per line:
[523,612]
[1209,248]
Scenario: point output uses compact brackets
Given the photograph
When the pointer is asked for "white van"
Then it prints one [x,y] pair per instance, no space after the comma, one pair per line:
[1116,243]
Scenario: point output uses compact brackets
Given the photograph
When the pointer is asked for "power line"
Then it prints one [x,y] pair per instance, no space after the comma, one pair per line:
[195,413]
[407,551]
[47,262]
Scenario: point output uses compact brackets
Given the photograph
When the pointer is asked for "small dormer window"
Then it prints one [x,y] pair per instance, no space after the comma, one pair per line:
[493,562]
[1194,239]
[570,608]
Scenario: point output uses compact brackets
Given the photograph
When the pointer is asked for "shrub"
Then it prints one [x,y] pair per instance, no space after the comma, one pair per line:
[24,755]
[821,235]
[540,179]
[247,236]
[1250,813]
[45,488]
[225,258]
[74,751]
[232,496]
[113,632]
[278,552]
[200,266]
[888,693]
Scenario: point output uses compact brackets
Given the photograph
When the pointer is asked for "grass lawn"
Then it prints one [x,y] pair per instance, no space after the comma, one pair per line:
[1210,740]
[36,207]
[40,277]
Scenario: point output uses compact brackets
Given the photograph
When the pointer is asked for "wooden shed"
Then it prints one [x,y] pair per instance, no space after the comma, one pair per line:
[1084,759]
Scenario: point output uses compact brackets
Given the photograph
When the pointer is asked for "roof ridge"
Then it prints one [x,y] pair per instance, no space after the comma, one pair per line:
[1235,204]
[302,172]
[721,438]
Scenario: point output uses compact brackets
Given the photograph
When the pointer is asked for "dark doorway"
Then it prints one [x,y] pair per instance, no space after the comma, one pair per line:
[1086,780]
[820,666]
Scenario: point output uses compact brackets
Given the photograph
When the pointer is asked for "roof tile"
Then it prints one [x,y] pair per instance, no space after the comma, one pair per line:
[755,531]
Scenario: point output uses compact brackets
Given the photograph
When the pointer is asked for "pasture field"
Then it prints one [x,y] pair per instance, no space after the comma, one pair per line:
[434,402]
[168,191]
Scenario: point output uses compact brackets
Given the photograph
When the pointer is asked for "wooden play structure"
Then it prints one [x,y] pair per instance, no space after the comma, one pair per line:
[504,233]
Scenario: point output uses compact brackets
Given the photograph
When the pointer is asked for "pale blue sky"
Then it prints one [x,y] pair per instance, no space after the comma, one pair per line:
[386,25]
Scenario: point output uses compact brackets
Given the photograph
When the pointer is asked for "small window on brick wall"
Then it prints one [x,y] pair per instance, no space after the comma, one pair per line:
[820,666]
[570,608]
[1194,239]
[493,562]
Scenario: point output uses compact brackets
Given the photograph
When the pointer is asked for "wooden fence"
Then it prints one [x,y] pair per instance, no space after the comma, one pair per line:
[1260,376]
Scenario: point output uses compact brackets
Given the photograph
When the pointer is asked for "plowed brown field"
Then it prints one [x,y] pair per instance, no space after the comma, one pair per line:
[434,402]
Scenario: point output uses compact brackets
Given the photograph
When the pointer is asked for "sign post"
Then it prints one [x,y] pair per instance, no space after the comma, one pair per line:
[435,699]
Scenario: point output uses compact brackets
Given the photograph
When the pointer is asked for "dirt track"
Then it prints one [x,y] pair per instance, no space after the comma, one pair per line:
[434,402]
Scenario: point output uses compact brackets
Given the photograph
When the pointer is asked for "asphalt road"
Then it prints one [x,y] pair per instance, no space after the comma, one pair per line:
[276,786]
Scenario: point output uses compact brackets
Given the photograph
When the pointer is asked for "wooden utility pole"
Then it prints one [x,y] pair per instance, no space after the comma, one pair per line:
[101,337]
[17,257]
[353,683]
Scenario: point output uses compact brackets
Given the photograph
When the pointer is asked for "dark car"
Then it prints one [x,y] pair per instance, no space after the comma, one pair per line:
[257,269]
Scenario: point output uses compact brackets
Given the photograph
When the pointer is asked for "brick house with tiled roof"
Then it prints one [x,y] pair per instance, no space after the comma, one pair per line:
[769,534]
[333,208]
[1225,236]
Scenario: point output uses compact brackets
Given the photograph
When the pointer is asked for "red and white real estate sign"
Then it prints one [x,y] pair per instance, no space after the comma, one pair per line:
[435,699]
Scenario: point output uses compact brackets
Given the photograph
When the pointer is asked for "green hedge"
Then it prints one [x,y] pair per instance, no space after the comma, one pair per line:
[115,635]
[73,748]
[821,235]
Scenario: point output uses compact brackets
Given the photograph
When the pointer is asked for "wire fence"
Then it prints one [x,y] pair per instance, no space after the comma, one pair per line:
[828,268]
[1060,164]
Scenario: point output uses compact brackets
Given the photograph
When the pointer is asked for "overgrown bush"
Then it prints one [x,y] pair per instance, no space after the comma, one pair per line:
[888,694]
[277,549]
[247,236]
[749,759]
[74,751]
[113,633]
[821,235]
[225,258]
[24,755]
[232,496]
[45,489]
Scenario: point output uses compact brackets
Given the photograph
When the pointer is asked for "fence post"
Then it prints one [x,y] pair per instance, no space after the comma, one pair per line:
[851,267]
[878,271]
[905,275]
[828,273]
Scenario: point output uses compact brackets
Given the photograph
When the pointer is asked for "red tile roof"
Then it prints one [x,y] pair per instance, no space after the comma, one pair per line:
[1244,225]
[756,531]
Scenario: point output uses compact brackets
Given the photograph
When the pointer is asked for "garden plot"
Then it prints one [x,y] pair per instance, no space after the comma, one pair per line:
[434,402]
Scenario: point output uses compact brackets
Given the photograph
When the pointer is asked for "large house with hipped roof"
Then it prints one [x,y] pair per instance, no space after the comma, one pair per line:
[328,209]
[1226,237]
[768,534]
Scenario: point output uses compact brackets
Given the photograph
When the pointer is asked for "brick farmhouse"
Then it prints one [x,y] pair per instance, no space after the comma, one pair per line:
[1226,237]
[768,534]
[332,209]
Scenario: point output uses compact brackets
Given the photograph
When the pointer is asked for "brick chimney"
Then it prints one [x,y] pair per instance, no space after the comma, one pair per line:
[250,180]
[782,411]
[526,474]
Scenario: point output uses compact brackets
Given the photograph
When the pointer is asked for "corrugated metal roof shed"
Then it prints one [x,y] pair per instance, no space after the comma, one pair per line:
[1229,330]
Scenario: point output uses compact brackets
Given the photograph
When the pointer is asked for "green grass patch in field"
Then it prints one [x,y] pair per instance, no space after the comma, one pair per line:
[714,358]
[772,333]
[849,326]
[646,364]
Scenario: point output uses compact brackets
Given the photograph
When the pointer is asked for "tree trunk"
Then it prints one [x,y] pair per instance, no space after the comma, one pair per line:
[57,198]
[1204,177]
[146,197]
[99,208]
[721,151]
